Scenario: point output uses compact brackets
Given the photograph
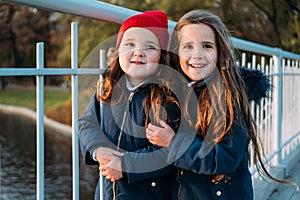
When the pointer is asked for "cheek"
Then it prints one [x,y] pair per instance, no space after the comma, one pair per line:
[125,53]
[124,57]
[121,61]
[182,61]
[124,64]
[213,58]
[154,58]
[183,56]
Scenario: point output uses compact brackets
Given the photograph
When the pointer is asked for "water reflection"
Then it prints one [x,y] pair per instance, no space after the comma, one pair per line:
[18,162]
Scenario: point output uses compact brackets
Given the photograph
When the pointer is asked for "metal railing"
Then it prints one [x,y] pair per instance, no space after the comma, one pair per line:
[277,116]
[40,72]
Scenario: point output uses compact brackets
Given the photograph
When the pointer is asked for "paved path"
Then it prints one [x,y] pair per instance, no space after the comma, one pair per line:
[286,192]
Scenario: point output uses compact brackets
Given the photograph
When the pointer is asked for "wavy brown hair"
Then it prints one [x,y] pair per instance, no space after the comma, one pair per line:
[160,94]
[223,100]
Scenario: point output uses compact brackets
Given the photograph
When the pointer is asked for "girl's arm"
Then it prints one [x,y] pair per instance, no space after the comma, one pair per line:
[137,166]
[90,134]
[192,153]
[150,161]
[145,163]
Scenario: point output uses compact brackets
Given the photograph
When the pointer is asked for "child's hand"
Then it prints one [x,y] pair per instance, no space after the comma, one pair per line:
[104,155]
[113,170]
[160,136]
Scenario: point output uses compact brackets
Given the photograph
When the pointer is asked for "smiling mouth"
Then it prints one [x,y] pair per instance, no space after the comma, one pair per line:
[137,62]
[196,66]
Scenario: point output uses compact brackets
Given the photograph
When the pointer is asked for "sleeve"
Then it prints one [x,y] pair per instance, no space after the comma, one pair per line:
[90,134]
[145,164]
[150,161]
[192,153]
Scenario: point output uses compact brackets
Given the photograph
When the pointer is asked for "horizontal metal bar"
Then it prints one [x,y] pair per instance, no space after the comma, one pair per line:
[48,71]
[292,139]
[262,49]
[291,74]
[116,14]
[284,74]
[86,8]
[80,71]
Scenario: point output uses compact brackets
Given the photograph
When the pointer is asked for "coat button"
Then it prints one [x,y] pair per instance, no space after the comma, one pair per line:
[181,173]
[153,184]
[218,193]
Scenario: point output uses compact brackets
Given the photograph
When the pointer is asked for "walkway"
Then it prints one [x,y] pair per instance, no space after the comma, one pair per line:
[284,192]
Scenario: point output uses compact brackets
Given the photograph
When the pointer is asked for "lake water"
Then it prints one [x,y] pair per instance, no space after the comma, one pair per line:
[18,163]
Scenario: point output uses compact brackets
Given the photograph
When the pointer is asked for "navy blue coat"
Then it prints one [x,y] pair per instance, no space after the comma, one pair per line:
[198,161]
[146,175]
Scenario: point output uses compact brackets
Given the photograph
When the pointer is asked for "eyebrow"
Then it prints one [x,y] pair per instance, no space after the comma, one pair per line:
[202,42]
[129,39]
[152,42]
[209,42]
[146,42]
[187,42]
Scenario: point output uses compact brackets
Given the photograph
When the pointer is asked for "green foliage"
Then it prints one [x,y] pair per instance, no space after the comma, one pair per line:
[27,97]
[61,112]
[176,9]
[57,102]
[291,34]
[90,34]
[141,6]
[269,22]
[21,27]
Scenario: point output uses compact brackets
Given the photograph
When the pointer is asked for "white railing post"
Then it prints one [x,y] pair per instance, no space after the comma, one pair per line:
[244,60]
[74,80]
[102,65]
[40,122]
[277,100]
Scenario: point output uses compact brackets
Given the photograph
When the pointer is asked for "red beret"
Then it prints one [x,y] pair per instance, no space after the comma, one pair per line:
[156,21]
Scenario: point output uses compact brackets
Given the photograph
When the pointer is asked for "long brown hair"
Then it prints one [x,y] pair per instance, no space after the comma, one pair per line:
[160,94]
[223,101]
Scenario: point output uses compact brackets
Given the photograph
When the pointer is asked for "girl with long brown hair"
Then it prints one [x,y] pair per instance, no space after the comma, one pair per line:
[211,150]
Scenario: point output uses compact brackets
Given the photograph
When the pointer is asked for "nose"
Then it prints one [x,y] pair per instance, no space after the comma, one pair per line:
[197,53]
[138,52]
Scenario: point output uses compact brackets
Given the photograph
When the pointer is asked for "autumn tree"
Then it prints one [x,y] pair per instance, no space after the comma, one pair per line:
[7,36]
[21,27]
[278,21]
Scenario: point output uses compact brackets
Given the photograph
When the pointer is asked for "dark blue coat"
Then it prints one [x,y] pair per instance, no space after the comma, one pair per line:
[146,175]
[198,160]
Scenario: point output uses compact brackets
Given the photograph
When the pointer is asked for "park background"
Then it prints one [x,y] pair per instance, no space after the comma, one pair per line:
[275,23]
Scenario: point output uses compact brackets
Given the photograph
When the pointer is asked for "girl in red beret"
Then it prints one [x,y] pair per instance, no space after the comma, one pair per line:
[212,150]
[135,90]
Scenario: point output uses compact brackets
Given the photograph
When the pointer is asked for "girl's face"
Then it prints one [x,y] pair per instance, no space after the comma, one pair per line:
[197,51]
[139,54]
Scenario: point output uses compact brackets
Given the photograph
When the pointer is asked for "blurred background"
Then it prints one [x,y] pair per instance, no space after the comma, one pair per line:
[268,22]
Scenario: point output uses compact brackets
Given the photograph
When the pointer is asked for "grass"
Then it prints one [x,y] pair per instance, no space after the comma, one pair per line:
[57,101]
[27,97]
